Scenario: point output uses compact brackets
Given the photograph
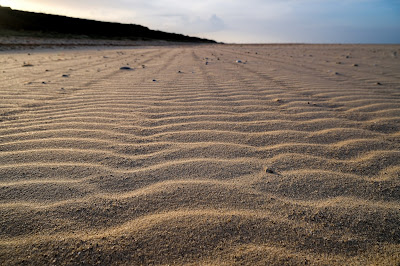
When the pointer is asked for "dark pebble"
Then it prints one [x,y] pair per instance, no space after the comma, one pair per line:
[269,171]
[125,68]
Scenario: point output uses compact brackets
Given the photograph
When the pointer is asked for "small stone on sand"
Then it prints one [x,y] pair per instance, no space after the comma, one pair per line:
[269,170]
[125,68]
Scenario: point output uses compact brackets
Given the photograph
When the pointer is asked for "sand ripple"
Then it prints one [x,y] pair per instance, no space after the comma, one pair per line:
[104,166]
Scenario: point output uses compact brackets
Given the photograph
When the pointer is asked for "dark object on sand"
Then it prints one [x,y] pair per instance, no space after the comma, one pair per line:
[125,68]
[269,171]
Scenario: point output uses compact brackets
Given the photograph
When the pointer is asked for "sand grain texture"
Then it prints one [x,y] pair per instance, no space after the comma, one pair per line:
[167,163]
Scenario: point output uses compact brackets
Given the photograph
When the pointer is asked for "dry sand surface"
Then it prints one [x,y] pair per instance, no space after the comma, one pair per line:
[289,156]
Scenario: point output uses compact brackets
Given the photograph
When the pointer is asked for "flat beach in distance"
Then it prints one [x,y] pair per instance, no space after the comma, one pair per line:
[200,155]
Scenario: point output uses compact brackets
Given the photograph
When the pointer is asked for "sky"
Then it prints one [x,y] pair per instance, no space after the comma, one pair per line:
[238,21]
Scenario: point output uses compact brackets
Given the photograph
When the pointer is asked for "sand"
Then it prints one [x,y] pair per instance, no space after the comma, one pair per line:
[213,155]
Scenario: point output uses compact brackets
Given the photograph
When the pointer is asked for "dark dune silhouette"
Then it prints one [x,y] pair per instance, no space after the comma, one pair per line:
[45,25]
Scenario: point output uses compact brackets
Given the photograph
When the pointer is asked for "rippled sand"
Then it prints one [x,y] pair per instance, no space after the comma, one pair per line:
[289,156]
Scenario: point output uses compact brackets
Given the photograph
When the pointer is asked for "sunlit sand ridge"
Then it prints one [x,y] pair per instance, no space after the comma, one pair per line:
[264,154]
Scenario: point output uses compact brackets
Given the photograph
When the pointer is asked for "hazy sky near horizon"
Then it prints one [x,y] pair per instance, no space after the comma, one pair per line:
[251,21]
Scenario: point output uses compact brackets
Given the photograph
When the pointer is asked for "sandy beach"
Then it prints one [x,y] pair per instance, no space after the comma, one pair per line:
[210,155]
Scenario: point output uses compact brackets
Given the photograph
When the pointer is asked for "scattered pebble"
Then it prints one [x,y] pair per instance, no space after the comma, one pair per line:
[44,82]
[154,80]
[27,65]
[338,63]
[206,63]
[238,61]
[65,76]
[125,68]
[378,83]
[180,71]
[356,65]
[269,170]
[337,73]
[143,66]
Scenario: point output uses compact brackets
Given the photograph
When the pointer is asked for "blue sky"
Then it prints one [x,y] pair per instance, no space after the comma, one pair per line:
[251,21]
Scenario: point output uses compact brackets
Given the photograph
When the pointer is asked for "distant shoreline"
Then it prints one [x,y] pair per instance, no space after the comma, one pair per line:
[28,43]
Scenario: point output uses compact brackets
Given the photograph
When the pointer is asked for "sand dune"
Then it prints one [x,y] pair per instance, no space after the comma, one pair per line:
[290,156]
